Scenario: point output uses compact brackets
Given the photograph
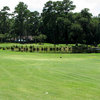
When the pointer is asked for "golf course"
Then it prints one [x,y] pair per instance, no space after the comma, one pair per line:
[49,76]
[49,50]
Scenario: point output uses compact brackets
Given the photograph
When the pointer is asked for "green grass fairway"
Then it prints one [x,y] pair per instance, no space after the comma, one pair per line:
[41,76]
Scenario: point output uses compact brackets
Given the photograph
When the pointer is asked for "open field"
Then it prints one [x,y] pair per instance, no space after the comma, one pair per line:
[39,76]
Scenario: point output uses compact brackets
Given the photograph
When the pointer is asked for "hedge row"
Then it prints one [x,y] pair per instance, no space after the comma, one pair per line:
[37,49]
[52,49]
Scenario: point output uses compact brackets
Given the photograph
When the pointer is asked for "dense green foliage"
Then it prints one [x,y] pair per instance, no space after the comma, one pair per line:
[37,76]
[56,24]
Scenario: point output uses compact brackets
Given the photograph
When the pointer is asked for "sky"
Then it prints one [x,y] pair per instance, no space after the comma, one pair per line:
[37,5]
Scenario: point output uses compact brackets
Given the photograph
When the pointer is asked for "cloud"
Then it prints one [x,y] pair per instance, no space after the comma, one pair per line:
[93,5]
[38,5]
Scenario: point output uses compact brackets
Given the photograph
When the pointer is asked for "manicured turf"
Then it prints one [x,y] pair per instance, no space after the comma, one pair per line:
[39,76]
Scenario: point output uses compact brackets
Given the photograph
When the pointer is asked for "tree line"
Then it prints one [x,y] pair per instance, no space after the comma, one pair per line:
[56,24]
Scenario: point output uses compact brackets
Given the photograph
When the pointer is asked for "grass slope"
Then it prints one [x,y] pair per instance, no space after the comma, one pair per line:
[35,45]
[37,76]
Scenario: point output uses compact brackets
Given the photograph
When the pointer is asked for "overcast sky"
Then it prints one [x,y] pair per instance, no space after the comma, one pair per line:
[93,5]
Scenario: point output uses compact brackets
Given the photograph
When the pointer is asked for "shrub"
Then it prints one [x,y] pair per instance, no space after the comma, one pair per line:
[4,48]
[12,48]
